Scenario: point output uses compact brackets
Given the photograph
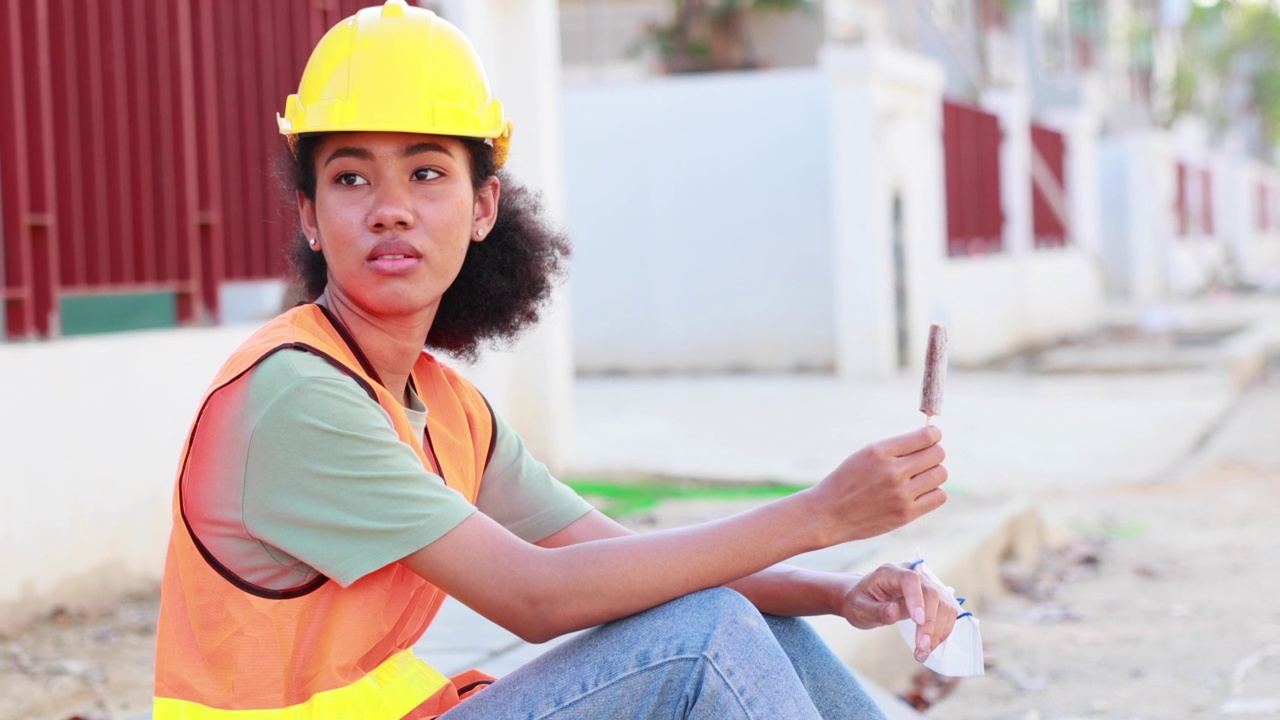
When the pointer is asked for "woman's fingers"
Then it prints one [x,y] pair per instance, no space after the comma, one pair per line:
[925,630]
[928,480]
[892,593]
[941,613]
[884,485]
[912,592]
[946,621]
[909,443]
[924,459]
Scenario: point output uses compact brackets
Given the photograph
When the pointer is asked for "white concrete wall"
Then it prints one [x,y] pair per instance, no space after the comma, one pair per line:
[998,304]
[1196,264]
[718,228]
[1063,294]
[90,433]
[699,211]
[982,305]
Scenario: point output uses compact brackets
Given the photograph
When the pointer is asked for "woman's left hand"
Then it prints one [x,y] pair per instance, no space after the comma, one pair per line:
[893,592]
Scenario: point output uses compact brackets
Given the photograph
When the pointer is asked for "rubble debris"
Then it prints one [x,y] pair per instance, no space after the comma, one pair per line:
[928,688]
[1048,613]
[1076,559]
[1024,681]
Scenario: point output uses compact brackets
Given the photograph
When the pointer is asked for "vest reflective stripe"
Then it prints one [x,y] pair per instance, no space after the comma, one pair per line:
[226,649]
[391,690]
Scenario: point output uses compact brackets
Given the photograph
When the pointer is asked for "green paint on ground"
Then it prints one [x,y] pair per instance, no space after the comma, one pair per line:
[617,498]
[1136,528]
[1113,529]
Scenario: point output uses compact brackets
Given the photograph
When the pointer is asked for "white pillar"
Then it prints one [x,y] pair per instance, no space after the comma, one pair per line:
[519,41]
[1081,127]
[886,141]
[1238,191]
[1013,108]
[1153,195]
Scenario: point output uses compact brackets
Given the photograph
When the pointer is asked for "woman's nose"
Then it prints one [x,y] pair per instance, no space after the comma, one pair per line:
[392,208]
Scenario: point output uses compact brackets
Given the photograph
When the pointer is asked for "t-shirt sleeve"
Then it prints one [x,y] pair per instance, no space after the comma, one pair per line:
[521,494]
[328,481]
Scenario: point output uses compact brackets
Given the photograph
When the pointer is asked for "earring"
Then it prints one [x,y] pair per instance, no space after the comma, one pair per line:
[311,242]
[479,232]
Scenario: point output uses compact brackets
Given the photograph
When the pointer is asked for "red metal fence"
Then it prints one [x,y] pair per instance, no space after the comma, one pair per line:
[1206,201]
[1193,203]
[1267,200]
[136,146]
[1048,187]
[1182,201]
[1264,206]
[975,220]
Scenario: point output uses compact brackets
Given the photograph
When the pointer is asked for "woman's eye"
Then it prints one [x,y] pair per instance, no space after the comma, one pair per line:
[351,180]
[425,174]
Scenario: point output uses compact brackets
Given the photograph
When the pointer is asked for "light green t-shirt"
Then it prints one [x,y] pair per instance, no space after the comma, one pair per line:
[296,472]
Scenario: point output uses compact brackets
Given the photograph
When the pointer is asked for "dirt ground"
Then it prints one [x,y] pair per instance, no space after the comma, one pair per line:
[1160,603]
[1162,607]
[94,662]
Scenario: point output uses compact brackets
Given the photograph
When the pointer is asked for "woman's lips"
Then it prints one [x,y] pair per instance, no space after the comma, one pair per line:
[394,264]
[394,257]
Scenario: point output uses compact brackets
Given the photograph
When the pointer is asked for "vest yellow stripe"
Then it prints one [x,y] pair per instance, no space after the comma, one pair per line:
[389,692]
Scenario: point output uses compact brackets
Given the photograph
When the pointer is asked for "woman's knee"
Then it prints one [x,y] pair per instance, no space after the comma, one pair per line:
[718,599]
[711,615]
[793,631]
[715,606]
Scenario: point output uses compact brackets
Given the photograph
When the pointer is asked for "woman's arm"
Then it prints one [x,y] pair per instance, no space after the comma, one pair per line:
[882,597]
[542,592]
[783,590]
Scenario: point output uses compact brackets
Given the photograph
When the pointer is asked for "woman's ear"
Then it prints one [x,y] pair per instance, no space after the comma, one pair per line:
[307,220]
[486,208]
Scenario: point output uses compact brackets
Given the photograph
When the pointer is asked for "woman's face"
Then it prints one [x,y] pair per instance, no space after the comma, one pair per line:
[394,214]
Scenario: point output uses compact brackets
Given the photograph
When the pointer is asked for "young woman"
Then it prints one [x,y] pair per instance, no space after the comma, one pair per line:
[339,481]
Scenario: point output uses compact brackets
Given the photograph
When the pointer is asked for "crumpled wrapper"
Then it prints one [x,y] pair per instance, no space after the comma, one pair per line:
[960,655]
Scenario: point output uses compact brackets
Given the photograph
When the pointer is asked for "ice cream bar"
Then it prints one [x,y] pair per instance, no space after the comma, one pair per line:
[935,372]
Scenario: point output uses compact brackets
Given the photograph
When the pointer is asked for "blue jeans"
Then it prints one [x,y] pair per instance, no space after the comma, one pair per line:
[707,655]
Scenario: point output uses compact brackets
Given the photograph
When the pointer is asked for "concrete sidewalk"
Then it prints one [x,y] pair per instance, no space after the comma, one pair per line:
[1102,414]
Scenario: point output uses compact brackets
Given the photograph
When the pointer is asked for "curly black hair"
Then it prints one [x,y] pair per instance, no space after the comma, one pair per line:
[504,281]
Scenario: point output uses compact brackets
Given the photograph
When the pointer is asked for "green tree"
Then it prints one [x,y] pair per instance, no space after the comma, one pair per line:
[707,35]
[1229,66]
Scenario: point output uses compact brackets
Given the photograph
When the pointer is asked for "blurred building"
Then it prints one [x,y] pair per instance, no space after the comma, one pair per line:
[1007,167]
[137,191]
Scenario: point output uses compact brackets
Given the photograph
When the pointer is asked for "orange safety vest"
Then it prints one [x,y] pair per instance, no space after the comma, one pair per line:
[229,650]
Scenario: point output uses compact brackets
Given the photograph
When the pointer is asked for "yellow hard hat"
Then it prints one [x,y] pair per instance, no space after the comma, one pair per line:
[396,68]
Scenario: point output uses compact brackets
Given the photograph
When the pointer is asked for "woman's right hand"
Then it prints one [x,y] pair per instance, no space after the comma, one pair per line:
[883,486]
